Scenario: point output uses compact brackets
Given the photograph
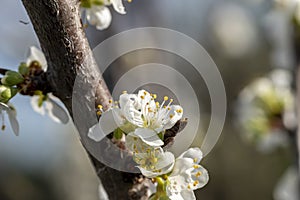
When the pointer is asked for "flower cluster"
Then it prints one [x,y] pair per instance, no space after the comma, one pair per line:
[97,12]
[142,122]
[22,81]
[266,110]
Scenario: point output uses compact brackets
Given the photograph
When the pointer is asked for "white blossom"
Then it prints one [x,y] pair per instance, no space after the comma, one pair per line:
[12,116]
[138,111]
[99,16]
[34,54]
[187,175]
[50,106]
[154,162]
[265,109]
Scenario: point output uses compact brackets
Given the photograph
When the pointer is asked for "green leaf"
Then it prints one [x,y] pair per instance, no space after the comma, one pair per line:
[118,134]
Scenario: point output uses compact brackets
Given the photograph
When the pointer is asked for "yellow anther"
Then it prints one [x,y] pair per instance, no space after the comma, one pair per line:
[166,98]
[142,97]
[99,106]
[165,106]
[196,166]
[165,176]
[99,112]
[179,110]
[110,101]
[124,92]
[154,96]
[195,183]
[171,100]
[145,93]
[171,116]
[157,104]
[198,174]
[129,1]
[169,108]
[189,187]
[195,160]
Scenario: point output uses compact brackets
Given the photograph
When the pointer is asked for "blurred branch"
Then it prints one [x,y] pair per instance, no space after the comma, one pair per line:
[296,42]
[58,26]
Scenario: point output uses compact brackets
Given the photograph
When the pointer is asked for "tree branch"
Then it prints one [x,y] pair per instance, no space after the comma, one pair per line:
[58,26]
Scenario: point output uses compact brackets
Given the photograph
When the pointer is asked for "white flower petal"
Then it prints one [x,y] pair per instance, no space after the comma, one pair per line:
[193,153]
[34,54]
[200,175]
[12,116]
[182,165]
[173,116]
[99,16]
[56,112]
[135,144]
[188,194]
[110,120]
[118,6]
[34,104]
[95,133]
[149,136]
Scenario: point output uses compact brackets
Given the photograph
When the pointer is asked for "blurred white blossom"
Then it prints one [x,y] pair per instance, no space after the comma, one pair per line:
[263,109]
[41,103]
[12,116]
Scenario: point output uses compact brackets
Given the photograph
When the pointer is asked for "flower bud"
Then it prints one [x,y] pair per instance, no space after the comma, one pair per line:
[23,69]
[12,78]
[6,93]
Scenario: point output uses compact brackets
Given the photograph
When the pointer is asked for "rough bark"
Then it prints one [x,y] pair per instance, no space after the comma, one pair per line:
[58,26]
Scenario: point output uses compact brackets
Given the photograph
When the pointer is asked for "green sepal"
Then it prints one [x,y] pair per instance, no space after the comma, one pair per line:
[23,69]
[12,78]
[98,3]
[161,135]
[86,4]
[118,134]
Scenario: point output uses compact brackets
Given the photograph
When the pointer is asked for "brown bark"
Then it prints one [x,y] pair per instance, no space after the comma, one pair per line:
[58,26]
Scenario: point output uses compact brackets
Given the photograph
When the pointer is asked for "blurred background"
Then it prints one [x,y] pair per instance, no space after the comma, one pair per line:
[245,38]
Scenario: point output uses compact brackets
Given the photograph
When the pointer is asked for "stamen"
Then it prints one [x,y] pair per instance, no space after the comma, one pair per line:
[195,183]
[179,110]
[124,92]
[142,97]
[166,98]
[196,166]
[198,174]
[100,106]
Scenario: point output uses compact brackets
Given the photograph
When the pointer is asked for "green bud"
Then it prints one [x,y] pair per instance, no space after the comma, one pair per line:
[12,78]
[6,93]
[86,3]
[23,69]
[118,133]
[98,2]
